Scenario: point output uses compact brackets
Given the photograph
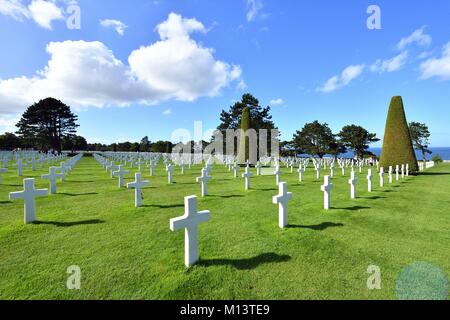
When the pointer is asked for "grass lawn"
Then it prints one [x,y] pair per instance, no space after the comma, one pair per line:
[130,253]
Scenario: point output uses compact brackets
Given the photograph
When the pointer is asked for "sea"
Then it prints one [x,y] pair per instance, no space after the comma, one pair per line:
[443,152]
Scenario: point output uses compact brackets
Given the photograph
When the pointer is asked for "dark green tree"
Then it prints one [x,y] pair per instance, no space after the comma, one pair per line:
[420,136]
[315,139]
[9,141]
[47,123]
[357,138]
[74,143]
[260,118]
[145,144]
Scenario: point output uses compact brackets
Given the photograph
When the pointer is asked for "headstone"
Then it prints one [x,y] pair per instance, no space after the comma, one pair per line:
[353,180]
[390,174]
[369,180]
[381,177]
[120,173]
[282,200]
[52,176]
[407,169]
[28,195]
[19,167]
[235,169]
[152,168]
[403,171]
[277,174]
[204,181]
[397,172]
[300,172]
[247,175]
[258,168]
[189,222]
[169,173]
[326,189]
[138,184]
[318,172]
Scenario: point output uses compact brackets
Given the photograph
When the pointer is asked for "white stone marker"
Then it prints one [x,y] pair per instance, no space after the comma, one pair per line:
[332,171]
[343,170]
[120,173]
[390,174]
[381,177]
[204,181]
[407,169]
[169,173]
[19,167]
[182,167]
[403,171]
[300,172]
[258,168]
[318,172]
[235,169]
[138,184]
[247,175]
[397,171]
[189,222]
[326,189]
[28,195]
[152,168]
[52,176]
[277,174]
[369,180]
[2,170]
[282,200]
[353,180]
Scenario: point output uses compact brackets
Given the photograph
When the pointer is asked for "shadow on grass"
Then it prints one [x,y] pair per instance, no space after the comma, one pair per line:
[163,206]
[247,264]
[226,197]
[69,224]
[373,197]
[267,189]
[81,181]
[318,227]
[77,194]
[434,174]
[5,202]
[354,208]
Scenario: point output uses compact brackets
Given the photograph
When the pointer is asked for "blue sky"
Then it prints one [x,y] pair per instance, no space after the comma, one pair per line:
[141,68]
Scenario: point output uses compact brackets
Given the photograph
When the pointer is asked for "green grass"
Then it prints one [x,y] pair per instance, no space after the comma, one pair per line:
[130,253]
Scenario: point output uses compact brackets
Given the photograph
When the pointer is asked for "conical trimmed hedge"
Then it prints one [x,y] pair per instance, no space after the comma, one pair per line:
[243,154]
[397,145]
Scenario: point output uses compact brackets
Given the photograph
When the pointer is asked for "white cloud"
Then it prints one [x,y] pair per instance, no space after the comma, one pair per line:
[119,26]
[437,67]
[339,81]
[390,65]
[167,112]
[8,124]
[14,9]
[276,102]
[254,7]
[176,67]
[418,37]
[43,12]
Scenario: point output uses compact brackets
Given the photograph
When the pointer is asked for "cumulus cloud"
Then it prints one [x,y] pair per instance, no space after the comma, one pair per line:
[390,65]
[276,102]
[43,12]
[418,36]
[254,8]
[339,81]
[176,67]
[437,67]
[167,112]
[117,25]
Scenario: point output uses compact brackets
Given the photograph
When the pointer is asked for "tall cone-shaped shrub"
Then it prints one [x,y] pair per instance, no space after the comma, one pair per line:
[397,145]
[243,154]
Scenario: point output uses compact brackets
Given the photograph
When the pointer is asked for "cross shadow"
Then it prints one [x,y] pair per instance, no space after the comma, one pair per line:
[267,189]
[163,206]
[318,227]
[226,197]
[247,264]
[354,208]
[374,197]
[5,202]
[434,174]
[80,181]
[69,224]
[77,194]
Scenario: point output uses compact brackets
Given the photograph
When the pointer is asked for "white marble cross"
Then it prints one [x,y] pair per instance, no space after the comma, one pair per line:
[326,189]
[369,180]
[19,167]
[28,195]
[2,170]
[353,180]
[52,176]
[258,168]
[282,200]
[120,173]
[403,171]
[397,172]
[139,163]
[235,169]
[63,169]
[300,172]
[277,174]
[318,172]
[169,173]
[152,168]
[382,177]
[343,170]
[204,181]
[182,167]
[407,169]
[138,184]
[390,174]
[332,171]
[189,222]
[247,175]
